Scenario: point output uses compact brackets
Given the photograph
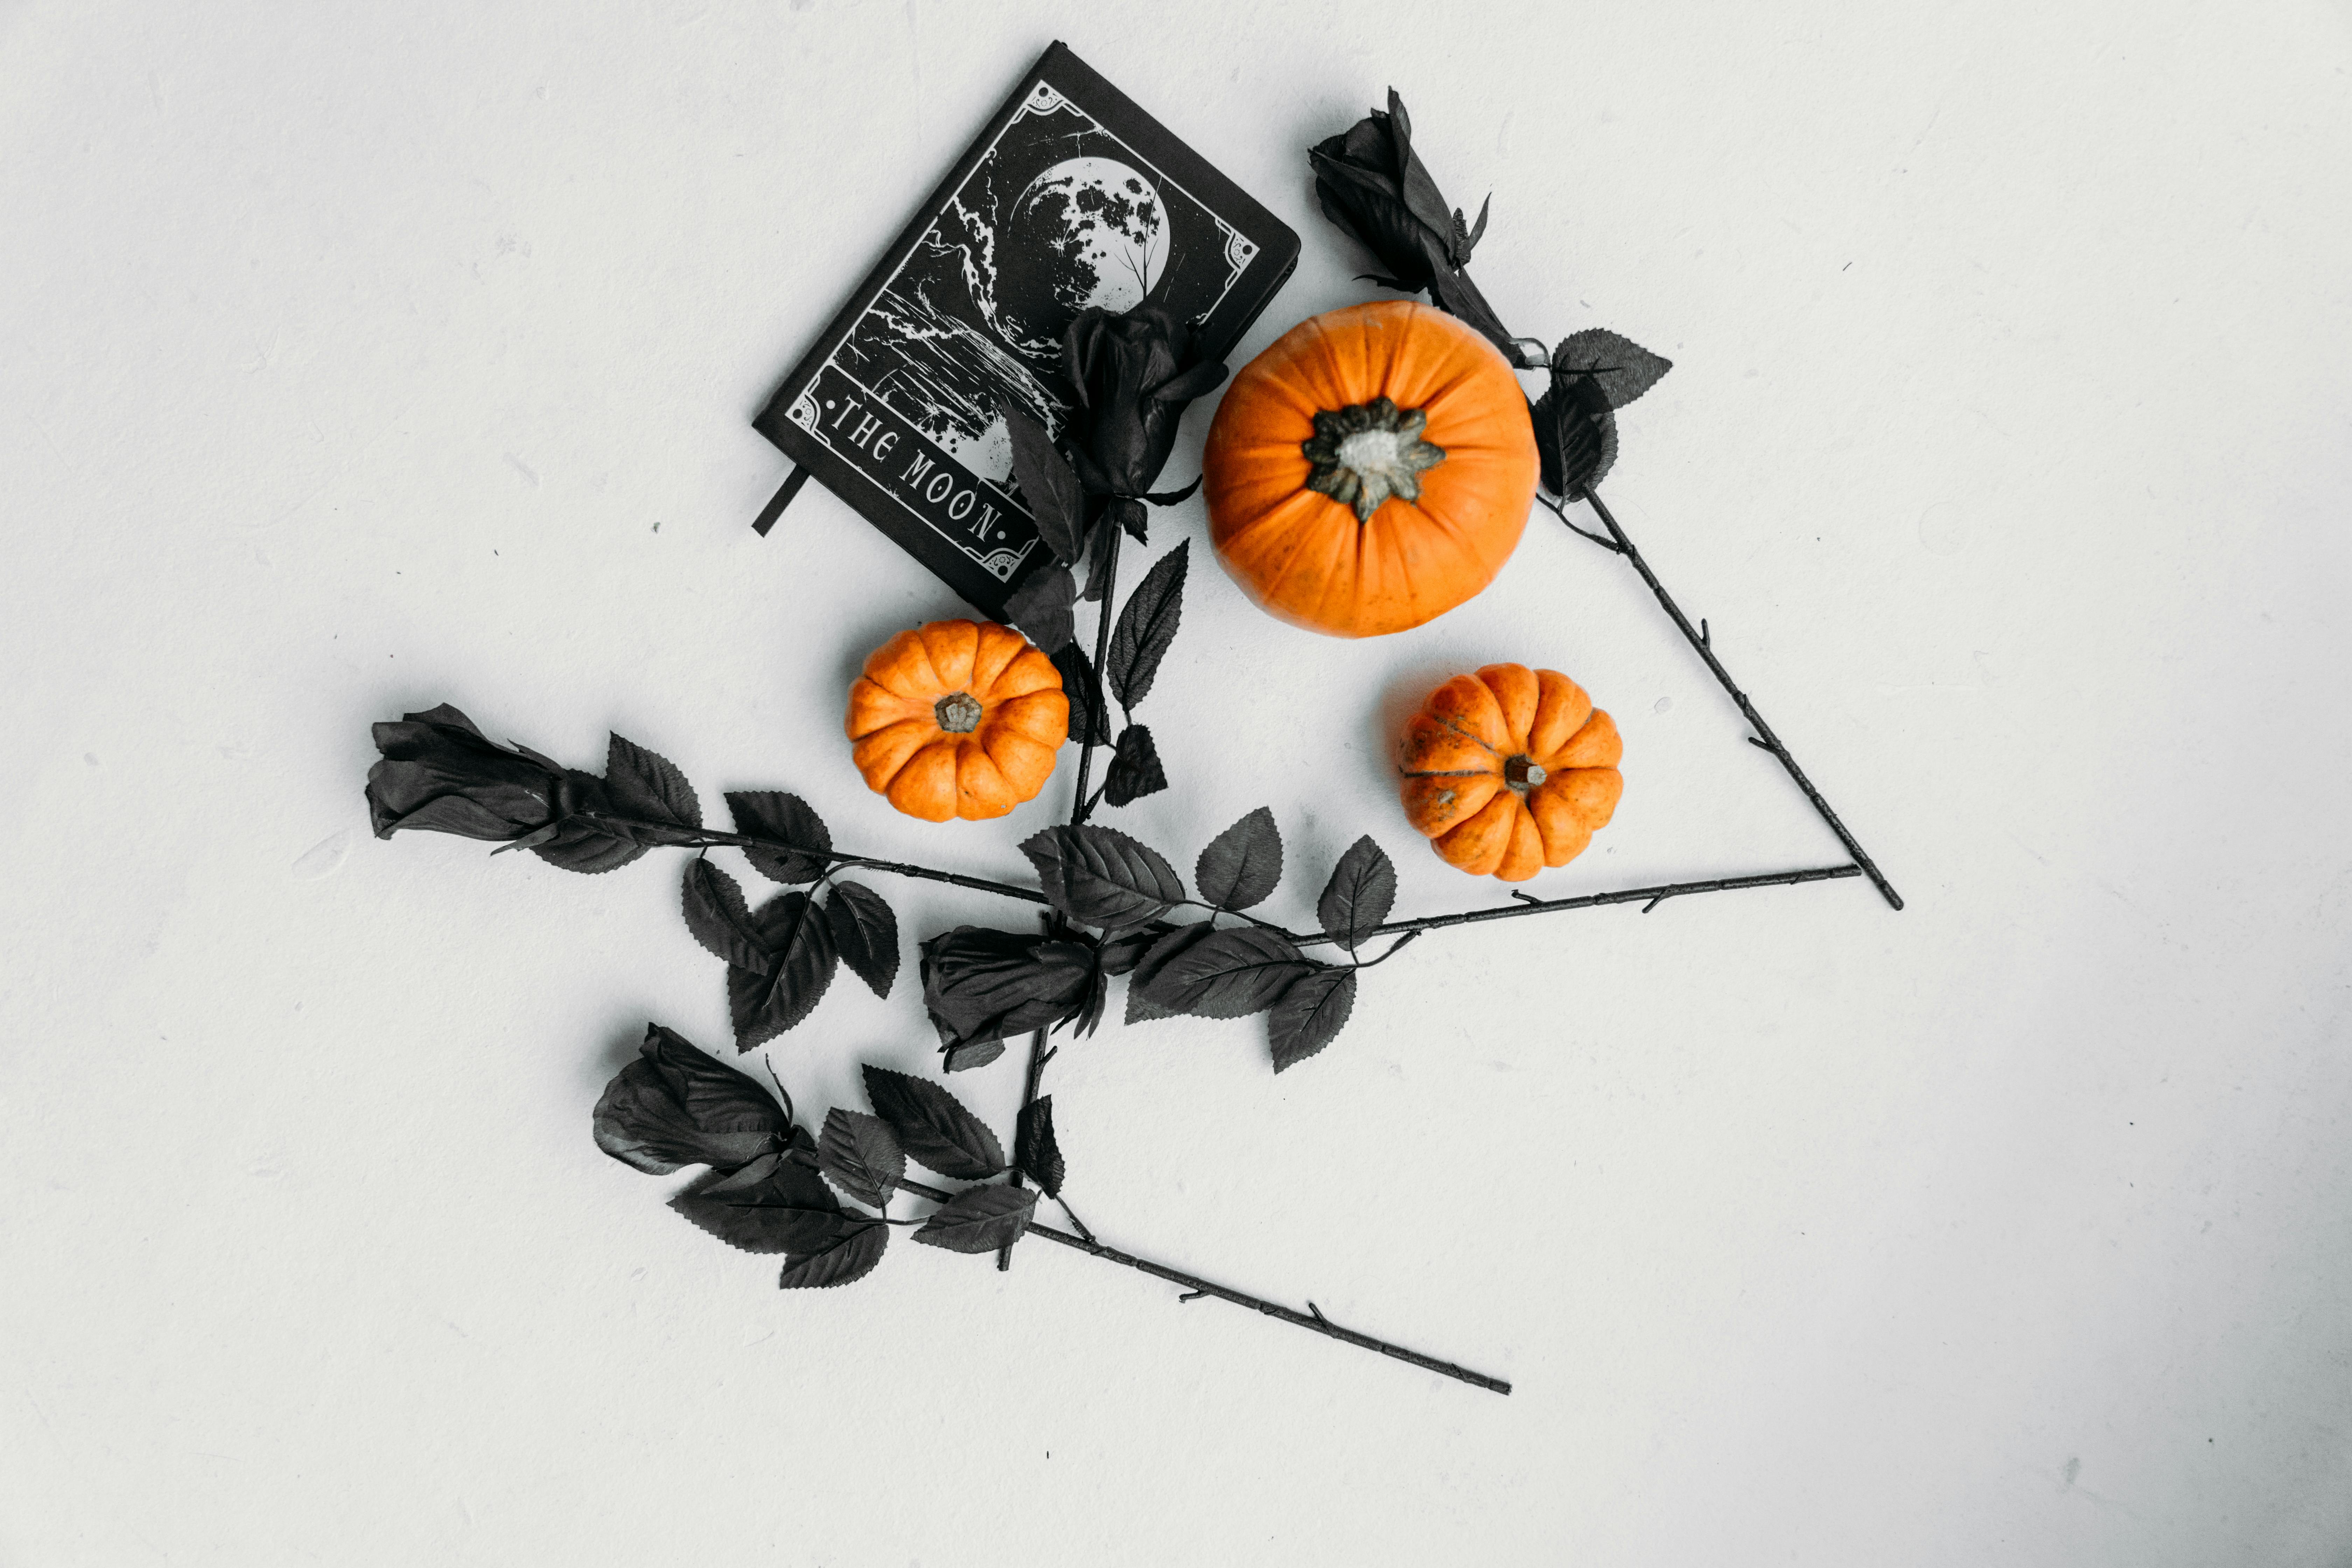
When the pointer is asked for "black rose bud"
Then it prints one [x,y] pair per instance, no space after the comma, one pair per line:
[1134,374]
[441,774]
[980,985]
[674,1106]
[1373,186]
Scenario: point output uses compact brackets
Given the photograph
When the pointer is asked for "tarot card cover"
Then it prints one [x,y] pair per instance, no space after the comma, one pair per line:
[1071,197]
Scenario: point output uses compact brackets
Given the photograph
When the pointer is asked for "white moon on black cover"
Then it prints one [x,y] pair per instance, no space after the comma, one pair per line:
[1087,231]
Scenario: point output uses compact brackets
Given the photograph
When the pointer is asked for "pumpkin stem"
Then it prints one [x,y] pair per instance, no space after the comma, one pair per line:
[1367,452]
[1522,774]
[958,713]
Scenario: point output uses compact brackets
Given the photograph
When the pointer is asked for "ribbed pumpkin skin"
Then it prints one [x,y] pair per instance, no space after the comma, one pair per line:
[1303,556]
[927,772]
[1454,757]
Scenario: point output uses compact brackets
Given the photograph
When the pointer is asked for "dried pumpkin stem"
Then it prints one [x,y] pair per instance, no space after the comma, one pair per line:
[1367,452]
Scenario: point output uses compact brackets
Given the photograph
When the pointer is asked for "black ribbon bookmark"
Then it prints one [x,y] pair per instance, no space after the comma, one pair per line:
[783,499]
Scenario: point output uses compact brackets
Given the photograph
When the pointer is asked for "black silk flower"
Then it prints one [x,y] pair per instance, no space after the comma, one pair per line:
[672,1106]
[441,774]
[1134,374]
[1373,186]
[980,985]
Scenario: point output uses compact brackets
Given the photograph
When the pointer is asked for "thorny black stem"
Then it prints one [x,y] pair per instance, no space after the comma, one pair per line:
[714,838]
[1645,896]
[1560,510]
[1195,1286]
[1081,807]
[1407,940]
[1700,640]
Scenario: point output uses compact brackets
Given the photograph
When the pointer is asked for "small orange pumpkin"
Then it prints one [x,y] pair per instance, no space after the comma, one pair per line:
[1510,770]
[957,718]
[1371,470]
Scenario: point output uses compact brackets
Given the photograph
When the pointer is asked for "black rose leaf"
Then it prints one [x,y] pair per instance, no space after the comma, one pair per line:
[1035,1150]
[774,1205]
[862,1155]
[1134,373]
[1100,877]
[980,985]
[865,934]
[1140,1007]
[1359,894]
[721,920]
[932,1125]
[1622,368]
[1049,487]
[980,1219]
[1242,865]
[1145,627]
[1089,715]
[1135,770]
[1575,435]
[788,819]
[647,786]
[1041,608]
[970,1054]
[672,1106]
[798,939]
[1226,973]
[1310,1014]
[851,1256]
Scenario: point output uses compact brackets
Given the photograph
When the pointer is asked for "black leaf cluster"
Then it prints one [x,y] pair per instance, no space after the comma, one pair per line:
[768,1190]
[982,985]
[1593,374]
[1232,971]
[781,957]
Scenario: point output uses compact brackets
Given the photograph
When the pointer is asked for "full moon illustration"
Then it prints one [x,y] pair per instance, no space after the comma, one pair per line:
[1087,231]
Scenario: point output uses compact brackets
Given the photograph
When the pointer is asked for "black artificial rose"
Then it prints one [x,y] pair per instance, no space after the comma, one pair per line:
[1134,374]
[674,1106]
[980,985]
[441,774]
[1373,186]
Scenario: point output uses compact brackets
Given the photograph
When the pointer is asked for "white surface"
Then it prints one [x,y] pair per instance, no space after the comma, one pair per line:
[358,362]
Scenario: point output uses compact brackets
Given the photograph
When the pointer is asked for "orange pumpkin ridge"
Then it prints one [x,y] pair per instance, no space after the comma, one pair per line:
[1371,470]
[1509,770]
[957,718]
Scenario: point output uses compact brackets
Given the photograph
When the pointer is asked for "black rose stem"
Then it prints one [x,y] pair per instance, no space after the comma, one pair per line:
[1702,641]
[1195,1286]
[1373,186]
[1079,804]
[672,837]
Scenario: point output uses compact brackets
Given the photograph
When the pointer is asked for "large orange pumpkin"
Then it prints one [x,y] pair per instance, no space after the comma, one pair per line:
[1510,770]
[957,718]
[1371,470]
